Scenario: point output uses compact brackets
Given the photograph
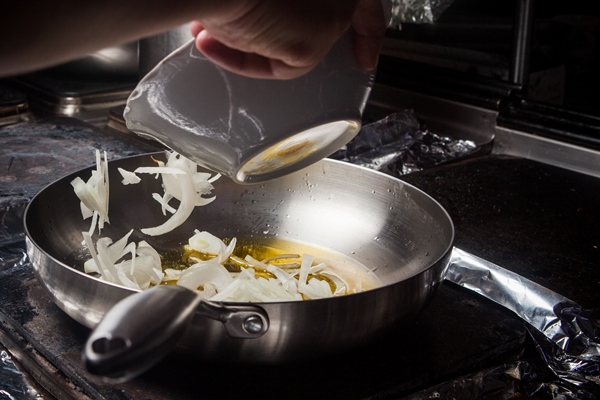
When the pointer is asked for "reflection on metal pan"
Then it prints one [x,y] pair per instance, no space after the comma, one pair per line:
[385,224]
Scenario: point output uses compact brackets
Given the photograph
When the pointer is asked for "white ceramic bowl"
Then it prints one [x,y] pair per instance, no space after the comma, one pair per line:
[251,130]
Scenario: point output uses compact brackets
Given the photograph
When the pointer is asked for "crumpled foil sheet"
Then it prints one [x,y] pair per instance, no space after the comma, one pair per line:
[522,379]
[418,11]
[397,145]
[12,256]
[13,385]
[566,336]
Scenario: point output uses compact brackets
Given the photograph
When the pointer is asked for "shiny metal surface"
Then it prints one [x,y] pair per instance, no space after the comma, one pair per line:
[567,339]
[141,329]
[443,117]
[546,150]
[121,60]
[387,225]
[523,38]
[463,121]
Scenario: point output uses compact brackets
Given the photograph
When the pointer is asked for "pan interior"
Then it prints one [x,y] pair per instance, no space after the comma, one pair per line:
[380,222]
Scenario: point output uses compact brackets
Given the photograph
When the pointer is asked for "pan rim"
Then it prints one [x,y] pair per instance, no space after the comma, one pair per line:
[443,254]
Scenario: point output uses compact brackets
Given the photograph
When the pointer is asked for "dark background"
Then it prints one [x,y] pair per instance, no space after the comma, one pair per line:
[565,40]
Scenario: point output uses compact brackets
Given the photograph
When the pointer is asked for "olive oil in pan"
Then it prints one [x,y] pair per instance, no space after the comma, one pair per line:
[283,253]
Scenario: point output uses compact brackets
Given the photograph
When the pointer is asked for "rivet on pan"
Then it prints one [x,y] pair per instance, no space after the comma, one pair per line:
[253,324]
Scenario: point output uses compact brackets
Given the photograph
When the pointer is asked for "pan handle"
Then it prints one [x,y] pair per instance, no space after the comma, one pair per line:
[143,328]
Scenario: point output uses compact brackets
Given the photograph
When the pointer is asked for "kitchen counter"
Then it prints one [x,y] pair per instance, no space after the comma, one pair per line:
[537,220]
[456,334]
[528,217]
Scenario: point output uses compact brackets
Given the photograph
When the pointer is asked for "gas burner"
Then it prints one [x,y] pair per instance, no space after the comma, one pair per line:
[84,98]
[13,105]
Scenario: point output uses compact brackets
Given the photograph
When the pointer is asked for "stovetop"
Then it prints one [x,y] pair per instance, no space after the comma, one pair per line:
[531,218]
[457,333]
[82,97]
[495,203]
[13,105]
[534,219]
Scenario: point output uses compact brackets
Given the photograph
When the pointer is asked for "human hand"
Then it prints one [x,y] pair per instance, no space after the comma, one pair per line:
[278,39]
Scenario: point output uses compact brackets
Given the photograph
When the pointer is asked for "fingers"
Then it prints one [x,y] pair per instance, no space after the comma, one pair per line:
[369,25]
[274,40]
[248,64]
[195,28]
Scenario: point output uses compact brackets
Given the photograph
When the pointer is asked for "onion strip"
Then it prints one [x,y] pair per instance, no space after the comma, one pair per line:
[139,266]
[93,194]
[180,180]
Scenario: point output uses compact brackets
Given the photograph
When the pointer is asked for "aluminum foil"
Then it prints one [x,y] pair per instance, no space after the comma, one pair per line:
[518,380]
[13,384]
[13,256]
[566,335]
[418,11]
[397,146]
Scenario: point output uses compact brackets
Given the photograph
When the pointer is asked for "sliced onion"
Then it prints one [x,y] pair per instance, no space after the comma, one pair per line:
[205,272]
[164,202]
[287,280]
[304,268]
[172,274]
[340,286]
[142,270]
[186,206]
[205,242]
[129,178]
[85,211]
[90,197]
[160,170]
[93,194]
[181,180]
[104,270]
[315,289]
[225,254]
[315,269]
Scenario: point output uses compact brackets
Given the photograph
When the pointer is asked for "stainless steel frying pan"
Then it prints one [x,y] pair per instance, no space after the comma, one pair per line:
[387,225]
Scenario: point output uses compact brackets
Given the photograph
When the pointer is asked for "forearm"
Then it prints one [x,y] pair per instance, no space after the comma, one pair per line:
[280,39]
[37,34]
